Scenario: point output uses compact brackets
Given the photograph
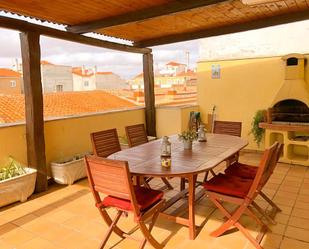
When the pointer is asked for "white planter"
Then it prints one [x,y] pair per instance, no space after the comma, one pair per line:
[69,172]
[187,145]
[17,188]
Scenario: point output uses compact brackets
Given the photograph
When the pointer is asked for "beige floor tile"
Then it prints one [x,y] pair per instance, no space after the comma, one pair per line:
[39,243]
[282,218]
[302,205]
[283,200]
[4,245]
[299,222]
[65,217]
[278,228]
[288,243]
[297,233]
[299,212]
[6,228]
[61,216]
[289,189]
[17,237]
[272,240]
[24,219]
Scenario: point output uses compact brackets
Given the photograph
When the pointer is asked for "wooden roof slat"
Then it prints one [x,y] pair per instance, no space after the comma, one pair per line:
[143,14]
[11,23]
[155,23]
[256,24]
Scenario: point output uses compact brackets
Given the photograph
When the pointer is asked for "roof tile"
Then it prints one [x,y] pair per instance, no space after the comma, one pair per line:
[12,107]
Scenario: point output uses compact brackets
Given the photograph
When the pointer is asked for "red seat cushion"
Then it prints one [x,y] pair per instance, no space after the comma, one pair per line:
[145,198]
[228,185]
[241,170]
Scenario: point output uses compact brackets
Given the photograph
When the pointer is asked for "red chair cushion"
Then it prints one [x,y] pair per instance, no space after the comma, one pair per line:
[241,170]
[145,198]
[228,185]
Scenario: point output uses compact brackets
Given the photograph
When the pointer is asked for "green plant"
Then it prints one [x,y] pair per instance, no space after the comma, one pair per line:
[256,131]
[189,135]
[12,169]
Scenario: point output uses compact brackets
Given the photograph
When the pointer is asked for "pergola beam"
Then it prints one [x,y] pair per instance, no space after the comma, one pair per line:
[23,26]
[141,15]
[233,28]
[150,110]
[31,58]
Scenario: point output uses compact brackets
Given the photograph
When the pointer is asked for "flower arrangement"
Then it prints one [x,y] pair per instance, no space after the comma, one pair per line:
[13,169]
[189,135]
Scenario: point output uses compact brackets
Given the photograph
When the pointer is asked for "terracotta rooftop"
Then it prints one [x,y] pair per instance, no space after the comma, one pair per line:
[173,63]
[61,104]
[46,63]
[5,72]
[188,73]
[105,73]
[79,71]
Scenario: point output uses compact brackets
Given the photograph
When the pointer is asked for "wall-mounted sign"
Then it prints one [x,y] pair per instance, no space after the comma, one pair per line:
[215,71]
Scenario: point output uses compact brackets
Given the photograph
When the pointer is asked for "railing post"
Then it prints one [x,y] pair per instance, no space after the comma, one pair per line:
[31,59]
[149,94]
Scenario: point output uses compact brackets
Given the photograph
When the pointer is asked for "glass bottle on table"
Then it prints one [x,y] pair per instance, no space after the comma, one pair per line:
[166,152]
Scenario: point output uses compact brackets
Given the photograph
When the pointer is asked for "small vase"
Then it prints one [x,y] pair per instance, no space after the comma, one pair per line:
[187,145]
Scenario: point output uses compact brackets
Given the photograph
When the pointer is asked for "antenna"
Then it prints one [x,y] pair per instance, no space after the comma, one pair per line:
[187,58]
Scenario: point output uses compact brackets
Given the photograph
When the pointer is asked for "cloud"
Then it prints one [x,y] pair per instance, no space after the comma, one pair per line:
[127,65]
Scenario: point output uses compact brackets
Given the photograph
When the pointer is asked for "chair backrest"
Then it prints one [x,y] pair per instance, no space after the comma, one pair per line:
[136,135]
[272,164]
[110,177]
[105,143]
[227,128]
[263,170]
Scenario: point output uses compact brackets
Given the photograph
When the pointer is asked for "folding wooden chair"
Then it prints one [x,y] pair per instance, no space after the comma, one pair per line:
[242,192]
[112,178]
[105,143]
[137,135]
[249,172]
[228,128]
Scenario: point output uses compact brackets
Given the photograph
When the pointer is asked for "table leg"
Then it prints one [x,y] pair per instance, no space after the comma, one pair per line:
[192,229]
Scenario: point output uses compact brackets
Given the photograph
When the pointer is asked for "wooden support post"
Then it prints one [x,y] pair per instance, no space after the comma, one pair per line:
[31,56]
[149,94]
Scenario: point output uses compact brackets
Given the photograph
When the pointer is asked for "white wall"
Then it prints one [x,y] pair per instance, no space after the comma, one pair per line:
[79,83]
[53,75]
[272,41]
[109,81]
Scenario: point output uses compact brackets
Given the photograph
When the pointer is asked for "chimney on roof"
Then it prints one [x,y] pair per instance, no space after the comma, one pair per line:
[95,70]
[83,70]
[188,61]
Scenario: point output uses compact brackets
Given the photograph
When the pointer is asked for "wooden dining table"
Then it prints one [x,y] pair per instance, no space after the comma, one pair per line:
[144,161]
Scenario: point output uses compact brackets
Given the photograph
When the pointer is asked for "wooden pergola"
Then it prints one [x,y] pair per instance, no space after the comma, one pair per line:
[143,22]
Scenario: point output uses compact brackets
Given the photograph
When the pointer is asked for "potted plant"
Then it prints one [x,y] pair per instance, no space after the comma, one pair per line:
[256,131]
[188,137]
[69,170]
[16,182]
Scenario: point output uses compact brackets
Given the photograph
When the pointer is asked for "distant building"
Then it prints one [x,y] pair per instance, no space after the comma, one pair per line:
[10,81]
[56,78]
[173,68]
[83,79]
[109,80]
[137,82]
[174,74]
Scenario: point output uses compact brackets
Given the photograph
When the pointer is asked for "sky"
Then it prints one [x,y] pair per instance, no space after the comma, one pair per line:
[127,65]
[272,41]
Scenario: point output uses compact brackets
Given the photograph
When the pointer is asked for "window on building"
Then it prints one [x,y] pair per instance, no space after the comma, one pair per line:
[59,88]
[86,83]
[13,83]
